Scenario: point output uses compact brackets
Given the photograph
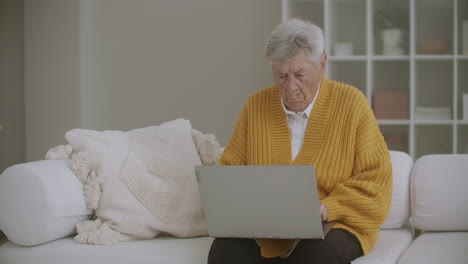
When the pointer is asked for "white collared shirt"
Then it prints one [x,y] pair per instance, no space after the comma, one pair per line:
[297,123]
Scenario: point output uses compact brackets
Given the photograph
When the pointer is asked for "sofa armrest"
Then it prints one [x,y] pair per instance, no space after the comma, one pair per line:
[402,164]
[40,201]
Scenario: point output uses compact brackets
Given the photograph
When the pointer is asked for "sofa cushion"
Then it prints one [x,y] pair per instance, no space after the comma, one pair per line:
[438,193]
[40,201]
[446,247]
[400,208]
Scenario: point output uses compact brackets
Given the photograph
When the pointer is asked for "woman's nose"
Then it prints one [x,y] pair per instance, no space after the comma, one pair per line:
[290,83]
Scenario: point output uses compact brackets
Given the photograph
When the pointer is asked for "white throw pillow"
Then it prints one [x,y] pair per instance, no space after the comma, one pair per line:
[142,182]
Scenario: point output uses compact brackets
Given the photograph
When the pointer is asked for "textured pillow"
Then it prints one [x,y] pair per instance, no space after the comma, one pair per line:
[40,201]
[141,182]
[400,208]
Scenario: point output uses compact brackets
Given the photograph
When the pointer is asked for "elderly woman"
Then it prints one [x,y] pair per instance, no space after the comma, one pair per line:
[307,119]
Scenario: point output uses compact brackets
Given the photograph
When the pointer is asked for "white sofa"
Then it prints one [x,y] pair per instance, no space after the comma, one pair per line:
[40,203]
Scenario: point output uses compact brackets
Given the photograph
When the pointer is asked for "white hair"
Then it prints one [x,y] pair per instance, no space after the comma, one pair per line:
[292,37]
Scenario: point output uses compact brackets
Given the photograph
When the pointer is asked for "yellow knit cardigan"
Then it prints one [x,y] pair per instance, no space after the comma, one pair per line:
[343,141]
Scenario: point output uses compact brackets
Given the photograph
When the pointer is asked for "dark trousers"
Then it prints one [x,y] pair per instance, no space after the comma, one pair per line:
[339,246]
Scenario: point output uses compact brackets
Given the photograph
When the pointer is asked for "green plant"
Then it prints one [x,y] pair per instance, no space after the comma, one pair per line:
[391,16]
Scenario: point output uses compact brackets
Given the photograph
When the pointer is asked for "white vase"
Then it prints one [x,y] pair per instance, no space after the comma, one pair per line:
[392,41]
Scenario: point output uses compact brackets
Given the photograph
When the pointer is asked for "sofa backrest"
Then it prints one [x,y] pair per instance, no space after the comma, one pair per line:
[400,209]
[439,200]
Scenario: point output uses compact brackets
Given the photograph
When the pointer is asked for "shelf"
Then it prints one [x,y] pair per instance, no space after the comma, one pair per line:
[422,73]
[433,57]
[349,1]
[393,122]
[433,122]
[347,58]
[390,58]
[307,1]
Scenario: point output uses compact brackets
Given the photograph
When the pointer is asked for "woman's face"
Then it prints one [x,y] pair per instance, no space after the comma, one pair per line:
[298,79]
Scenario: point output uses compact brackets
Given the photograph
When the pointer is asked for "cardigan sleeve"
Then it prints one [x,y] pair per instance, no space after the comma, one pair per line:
[235,152]
[363,200]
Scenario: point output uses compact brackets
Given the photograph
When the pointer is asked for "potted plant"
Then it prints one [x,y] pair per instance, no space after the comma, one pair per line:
[391,23]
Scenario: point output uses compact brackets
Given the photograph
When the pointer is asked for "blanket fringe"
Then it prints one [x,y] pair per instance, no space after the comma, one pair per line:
[93,190]
[81,165]
[98,232]
[208,147]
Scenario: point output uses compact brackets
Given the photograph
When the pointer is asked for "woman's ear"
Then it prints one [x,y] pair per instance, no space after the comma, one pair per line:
[323,63]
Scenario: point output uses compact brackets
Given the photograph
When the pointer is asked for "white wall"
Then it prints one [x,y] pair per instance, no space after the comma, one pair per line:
[11,83]
[118,64]
[52,84]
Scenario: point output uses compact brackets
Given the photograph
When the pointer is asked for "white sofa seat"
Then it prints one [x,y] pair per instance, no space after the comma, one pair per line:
[168,250]
[161,250]
[439,208]
[394,237]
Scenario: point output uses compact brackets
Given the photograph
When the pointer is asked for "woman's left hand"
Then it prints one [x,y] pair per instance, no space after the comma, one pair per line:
[323,212]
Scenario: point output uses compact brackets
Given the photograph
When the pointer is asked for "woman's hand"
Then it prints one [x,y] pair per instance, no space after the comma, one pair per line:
[323,212]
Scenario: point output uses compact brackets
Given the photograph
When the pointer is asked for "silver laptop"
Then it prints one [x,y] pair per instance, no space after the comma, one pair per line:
[261,201]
